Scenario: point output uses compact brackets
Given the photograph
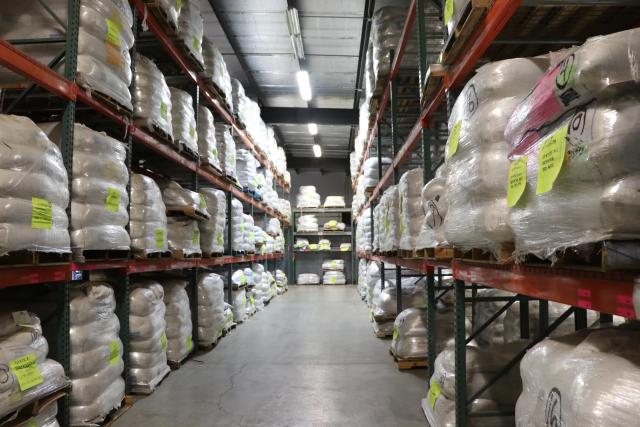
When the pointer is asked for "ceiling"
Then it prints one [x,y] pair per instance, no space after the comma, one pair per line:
[253,36]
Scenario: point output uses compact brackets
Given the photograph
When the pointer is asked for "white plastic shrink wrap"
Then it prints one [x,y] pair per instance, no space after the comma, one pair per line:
[183,235]
[246,168]
[33,189]
[230,156]
[229,321]
[334,202]
[191,29]
[239,303]
[307,197]
[372,277]
[215,68]
[384,303]
[595,195]
[307,223]
[411,208]
[369,176]
[148,223]
[386,29]
[171,9]
[207,144]
[212,235]
[363,231]
[25,372]
[223,138]
[273,227]
[387,220]
[151,96]
[183,119]
[237,226]
[210,308]
[409,340]
[602,67]
[362,278]
[282,282]
[333,264]
[178,197]
[334,277]
[99,196]
[334,225]
[46,417]
[477,164]
[178,319]
[587,379]
[248,233]
[434,205]
[308,279]
[96,353]
[147,335]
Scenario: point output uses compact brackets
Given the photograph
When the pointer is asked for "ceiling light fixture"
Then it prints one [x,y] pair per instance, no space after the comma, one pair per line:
[295,34]
[317,151]
[313,128]
[304,84]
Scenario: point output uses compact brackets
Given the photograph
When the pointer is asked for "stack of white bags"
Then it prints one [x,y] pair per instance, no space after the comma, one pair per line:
[148,225]
[207,145]
[387,220]
[178,319]
[333,272]
[246,168]
[224,140]
[152,98]
[183,119]
[210,308]
[281,282]
[411,211]
[334,202]
[307,197]
[434,205]
[248,233]
[191,28]
[33,189]
[212,231]
[239,305]
[147,335]
[363,231]
[307,223]
[237,226]
[215,68]
[96,353]
[183,236]
[308,279]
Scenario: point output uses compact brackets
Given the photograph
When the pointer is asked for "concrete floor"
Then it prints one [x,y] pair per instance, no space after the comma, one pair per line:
[309,359]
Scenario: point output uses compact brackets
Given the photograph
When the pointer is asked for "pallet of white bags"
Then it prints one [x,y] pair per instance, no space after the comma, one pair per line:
[187,151]
[190,212]
[161,16]
[25,257]
[142,255]
[156,131]
[411,363]
[24,415]
[147,389]
[503,256]
[467,25]
[80,255]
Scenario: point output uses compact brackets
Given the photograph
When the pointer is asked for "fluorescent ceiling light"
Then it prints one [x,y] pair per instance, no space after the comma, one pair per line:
[317,151]
[304,84]
[293,22]
[313,128]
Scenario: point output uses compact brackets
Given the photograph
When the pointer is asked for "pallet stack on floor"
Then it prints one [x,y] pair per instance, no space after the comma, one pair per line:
[119,247]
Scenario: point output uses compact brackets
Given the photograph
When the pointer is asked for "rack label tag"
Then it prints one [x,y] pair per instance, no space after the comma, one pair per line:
[112,202]
[26,371]
[454,138]
[159,238]
[517,180]
[41,214]
[220,241]
[114,352]
[550,159]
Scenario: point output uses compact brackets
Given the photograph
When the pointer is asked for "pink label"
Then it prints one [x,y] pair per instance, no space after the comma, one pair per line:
[584,293]
[584,303]
[624,299]
[626,312]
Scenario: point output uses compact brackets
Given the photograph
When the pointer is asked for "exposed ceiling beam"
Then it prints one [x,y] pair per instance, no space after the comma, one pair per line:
[320,116]
[322,163]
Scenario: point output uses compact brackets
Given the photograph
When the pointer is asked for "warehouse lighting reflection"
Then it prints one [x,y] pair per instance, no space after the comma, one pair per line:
[317,151]
[313,128]
[304,85]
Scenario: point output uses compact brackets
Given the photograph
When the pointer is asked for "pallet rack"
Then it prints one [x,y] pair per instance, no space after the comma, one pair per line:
[145,154]
[501,32]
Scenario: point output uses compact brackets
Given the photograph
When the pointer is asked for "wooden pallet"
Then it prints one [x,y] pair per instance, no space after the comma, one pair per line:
[218,94]
[158,12]
[212,255]
[151,255]
[404,364]
[13,259]
[465,28]
[433,81]
[504,255]
[190,212]
[155,131]
[432,253]
[112,103]
[100,255]
[147,389]
[215,170]
[24,416]
[127,403]
[187,151]
[181,256]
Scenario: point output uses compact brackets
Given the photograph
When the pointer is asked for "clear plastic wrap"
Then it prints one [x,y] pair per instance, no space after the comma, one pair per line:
[282,282]
[237,226]
[147,335]
[369,176]
[178,197]
[148,222]
[434,204]
[595,194]
[183,119]
[178,319]
[33,190]
[334,202]
[210,308]
[171,9]
[246,168]
[249,235]
[387,220]
[384,304]
[372,277]
[477,164]
[333,264]
[239,303]
[602,67]
[334,225]
[215,68]
[386,29]
[307,197]
[151,96]
[96,354]
[191,28]
[308,279]
[207,144]
[273,227]
[183,235]
[307,223]
[333,277]
[587,379]
[212,234]
[411,208]
[409,339]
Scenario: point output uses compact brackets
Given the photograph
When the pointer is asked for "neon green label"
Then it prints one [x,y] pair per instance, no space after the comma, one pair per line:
[164,111]
[163,341]
[517,180]
[32,423]
[178,4]
[159,238]
[112,202]
[220,241]
[434,393]
[550,159]
[449,10]
[192,132]
[195,239]
[189,343]
[113,33]
[26,371]
[332,280]
[454,138]
[252,300]
[195,43]
[395,333]
[114,352]
[41,214]
[203,202]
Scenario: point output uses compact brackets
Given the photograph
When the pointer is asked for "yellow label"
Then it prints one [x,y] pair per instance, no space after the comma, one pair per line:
[550,159]
[112,202]
[220,241]
[164,111]
[195,239]
[195,43]
[454,138]
[163,341]
[178,4]
[251,235]
[434,393]
[113,33]
[32,423]
[395,333]
[26,371]
[517,180]
[189,343]
[114,352]
[214,151]
[203,202]
[449,10]
[159,238]
[332,280]
[41,214]
[252,300]
[192,132]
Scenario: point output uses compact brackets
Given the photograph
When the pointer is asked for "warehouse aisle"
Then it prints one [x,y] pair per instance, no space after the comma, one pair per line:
[309,359]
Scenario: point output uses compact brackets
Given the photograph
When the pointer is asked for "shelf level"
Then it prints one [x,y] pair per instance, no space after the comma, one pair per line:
[323,233]
[303,211]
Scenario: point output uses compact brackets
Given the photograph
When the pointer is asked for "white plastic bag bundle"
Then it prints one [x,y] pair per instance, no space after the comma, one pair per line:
[151,95]
[477,164]
[384,304]
[183,119]
[23,350]
[586,379]
[207,145]
[210,308]
[362,278]
[191,29]
[215,68]
[183,235]
[96,353]
[308,279]
[148,222]
[230,156]
[386,29]
[434,205]
[363,231]
[248,233]
[602,67]
[171,9]
[372,277]
[273,227]
[281,281]
[212,231]
[409,339]
[411,210]
[333,264]
[307,223]
[147,334]
[239,302]
[246,168]
[334,225]
[237,226]
[178,319]
[46,417]
[177,197]
[223,137]
[33,189]
[307,197]
[334,202]
[595,195]
[324,245]
[334,277]
[259,237]
[228,317]
[301,244]
[388,220]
